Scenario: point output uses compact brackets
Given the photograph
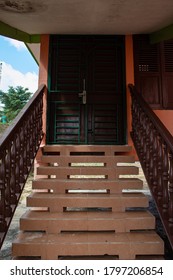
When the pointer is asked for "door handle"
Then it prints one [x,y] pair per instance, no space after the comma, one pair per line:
[83,94]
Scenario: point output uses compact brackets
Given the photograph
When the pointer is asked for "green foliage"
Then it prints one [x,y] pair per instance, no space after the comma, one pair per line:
[14,100]
[3,128]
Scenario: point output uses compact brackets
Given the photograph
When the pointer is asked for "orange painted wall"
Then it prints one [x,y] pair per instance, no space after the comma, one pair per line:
[166,116]
[43,79]
[43,75]
[129,80]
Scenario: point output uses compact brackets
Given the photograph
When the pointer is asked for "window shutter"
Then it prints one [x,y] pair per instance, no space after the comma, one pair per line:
[147,70]
[168,74]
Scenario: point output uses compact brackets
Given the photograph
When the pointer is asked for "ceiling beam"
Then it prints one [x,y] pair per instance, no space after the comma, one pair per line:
[161,35]
[31,52]
[14,33]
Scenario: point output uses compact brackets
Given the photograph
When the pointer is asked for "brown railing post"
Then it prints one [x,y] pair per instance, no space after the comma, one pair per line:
[171,192]
[18,147]
[3,223]
[154,146]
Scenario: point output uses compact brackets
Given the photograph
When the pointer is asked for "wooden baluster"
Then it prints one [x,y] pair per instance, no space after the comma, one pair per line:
[12,181]
[37,123]
[155,162]
[30,138]
[41,111]
[8,210]
[3,223]
[151,163]
[17,160]
[165,179]
[147,149]
[171,192]
[34,132]
[133,116]
[160,171]
[31,148]
[140,133]
[26,145]
[22,169]
[40,123]
[135,122]
[134,108]
[137,129]
[144,142]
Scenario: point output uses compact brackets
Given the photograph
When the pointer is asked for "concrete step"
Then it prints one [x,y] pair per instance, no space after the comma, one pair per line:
[105,160]
[113,186]
[57,202]
[66,150]
[124,245]
[87,207]
[89,172]
[86,221]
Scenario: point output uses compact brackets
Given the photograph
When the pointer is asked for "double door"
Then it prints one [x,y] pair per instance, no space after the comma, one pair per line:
[86,99]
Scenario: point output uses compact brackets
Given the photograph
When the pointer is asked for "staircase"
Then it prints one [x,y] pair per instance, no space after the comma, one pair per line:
[84,205]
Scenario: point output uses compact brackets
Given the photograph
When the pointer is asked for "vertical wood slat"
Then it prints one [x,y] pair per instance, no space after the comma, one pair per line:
[171,192]
[3,223]
[18,148]
[154,146]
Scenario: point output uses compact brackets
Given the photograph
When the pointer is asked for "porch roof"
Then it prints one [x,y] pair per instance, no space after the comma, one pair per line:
[87,17]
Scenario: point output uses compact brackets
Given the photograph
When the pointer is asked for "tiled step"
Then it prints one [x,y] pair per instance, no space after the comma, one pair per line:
[113,186]
[57,202]
[106,160]
[86,221]
[107,173]
[124,245]
[69,149]
[87,206]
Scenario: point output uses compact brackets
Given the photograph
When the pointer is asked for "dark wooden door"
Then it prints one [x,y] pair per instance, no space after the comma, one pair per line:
[86,90]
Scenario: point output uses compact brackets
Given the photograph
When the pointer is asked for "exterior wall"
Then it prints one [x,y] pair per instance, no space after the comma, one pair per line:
[129,80]
[166,116]
[43,79]
[43,75]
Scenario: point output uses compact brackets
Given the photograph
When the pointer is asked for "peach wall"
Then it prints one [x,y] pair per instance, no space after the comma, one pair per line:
[166,116]
[43,79]
[129,80]
[43,75]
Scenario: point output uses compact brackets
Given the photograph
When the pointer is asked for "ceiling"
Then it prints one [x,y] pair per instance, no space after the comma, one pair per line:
[83,17]
[87,17]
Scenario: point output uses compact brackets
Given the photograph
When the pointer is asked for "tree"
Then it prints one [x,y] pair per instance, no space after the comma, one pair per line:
[14,100]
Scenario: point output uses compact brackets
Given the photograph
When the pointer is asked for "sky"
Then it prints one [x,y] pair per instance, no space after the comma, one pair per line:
[18,66]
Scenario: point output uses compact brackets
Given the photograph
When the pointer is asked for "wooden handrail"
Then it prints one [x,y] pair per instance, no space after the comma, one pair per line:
[18,147]
[154,146]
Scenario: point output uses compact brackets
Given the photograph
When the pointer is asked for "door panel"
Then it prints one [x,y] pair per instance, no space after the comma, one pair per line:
[94,64]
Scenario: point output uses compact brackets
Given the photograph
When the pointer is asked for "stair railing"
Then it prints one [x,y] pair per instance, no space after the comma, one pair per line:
[18,147]
[154,146]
